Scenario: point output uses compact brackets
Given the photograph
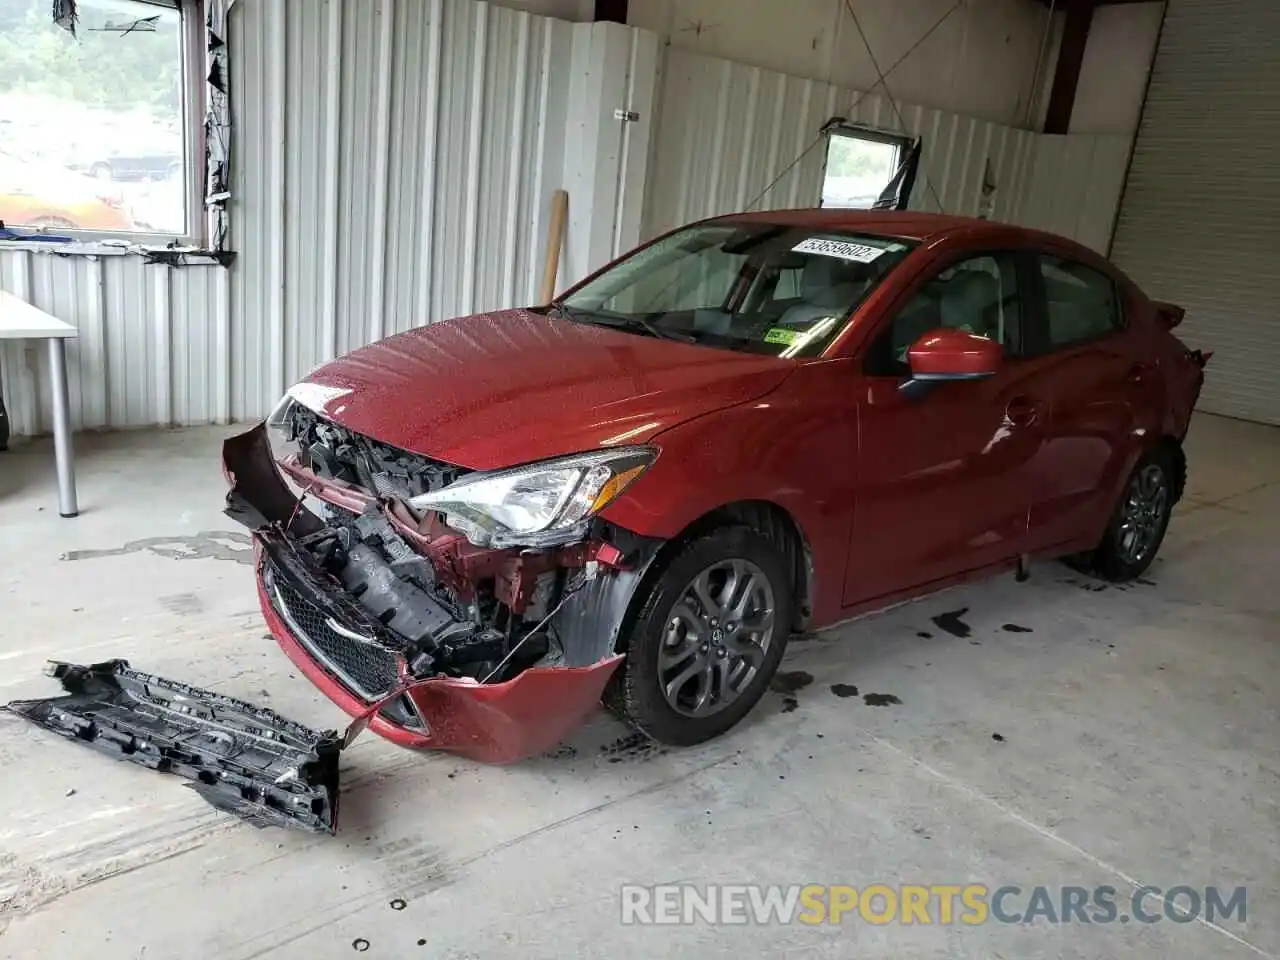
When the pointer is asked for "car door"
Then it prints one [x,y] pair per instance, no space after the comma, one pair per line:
[1095,383]
[943,475]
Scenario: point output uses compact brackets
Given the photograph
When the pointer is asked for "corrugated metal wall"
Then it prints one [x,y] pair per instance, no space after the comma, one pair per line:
[1200,221]
[727,130]
[1074,185]
[394,164]
[153,344]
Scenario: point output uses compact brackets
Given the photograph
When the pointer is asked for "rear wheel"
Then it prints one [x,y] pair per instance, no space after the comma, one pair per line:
[708,639]
[1138,525]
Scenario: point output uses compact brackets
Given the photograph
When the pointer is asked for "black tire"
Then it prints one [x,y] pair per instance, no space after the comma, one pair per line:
[636,693]
[1110,560]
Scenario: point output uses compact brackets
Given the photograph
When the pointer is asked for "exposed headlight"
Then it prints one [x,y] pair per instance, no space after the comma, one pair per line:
[541,504]
[278,418]
[280,429]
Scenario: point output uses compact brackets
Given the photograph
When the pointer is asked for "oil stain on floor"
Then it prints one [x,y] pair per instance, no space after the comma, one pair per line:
[633,747]
[880,699]
[206,545]
[789,683]
[952,624]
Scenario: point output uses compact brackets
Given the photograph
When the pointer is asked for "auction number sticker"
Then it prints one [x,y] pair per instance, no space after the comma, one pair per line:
[843,249]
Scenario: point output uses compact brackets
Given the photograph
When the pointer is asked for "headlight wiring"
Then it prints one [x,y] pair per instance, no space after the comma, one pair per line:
[589,573]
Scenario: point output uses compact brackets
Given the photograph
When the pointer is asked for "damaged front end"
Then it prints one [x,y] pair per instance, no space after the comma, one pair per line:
[426,621]
[416,615]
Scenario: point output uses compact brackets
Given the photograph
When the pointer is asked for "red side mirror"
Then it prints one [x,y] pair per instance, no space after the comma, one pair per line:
[947,354]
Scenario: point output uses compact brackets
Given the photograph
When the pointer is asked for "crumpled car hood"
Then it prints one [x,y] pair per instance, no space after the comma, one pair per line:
[494,390]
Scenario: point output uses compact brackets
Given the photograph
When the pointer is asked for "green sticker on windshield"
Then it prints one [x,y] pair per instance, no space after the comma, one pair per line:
[780,335]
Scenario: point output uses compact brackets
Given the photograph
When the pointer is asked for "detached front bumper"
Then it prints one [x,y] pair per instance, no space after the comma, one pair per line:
[337,645]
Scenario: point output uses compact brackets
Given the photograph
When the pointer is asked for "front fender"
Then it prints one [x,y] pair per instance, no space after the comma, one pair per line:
[796,448]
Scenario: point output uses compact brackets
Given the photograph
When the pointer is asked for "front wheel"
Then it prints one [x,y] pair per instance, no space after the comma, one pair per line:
[708,639]
[1138,525]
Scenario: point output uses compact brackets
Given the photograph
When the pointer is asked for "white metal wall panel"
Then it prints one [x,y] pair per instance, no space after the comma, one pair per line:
[1199,223]
[1073,186]
[395,165]
[726,131]
[611,68]
[151,349]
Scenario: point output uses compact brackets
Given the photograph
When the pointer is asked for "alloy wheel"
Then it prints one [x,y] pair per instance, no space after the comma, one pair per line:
[1143,515]
[716,637]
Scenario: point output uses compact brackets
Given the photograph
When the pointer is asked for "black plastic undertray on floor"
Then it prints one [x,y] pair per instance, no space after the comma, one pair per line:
[243,759]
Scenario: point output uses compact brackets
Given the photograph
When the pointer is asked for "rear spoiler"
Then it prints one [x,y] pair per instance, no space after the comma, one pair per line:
[1169,314]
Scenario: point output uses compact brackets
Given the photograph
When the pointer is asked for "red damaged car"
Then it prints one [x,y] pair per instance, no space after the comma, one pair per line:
[471,533]
[753,426]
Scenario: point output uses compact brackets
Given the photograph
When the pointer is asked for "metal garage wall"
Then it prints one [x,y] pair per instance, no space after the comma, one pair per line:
[394,164]
[726,131]
[153,344]
[1200,220]
[1073,186]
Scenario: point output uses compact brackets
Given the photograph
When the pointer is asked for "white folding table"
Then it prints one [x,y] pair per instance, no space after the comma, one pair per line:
[19,320]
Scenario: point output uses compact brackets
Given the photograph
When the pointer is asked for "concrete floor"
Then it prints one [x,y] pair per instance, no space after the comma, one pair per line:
[1141,746]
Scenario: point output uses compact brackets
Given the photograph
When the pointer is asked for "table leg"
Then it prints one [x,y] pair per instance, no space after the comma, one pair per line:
[63,455]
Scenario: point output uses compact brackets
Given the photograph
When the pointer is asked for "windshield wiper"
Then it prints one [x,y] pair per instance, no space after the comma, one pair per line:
[557,306]
[651,328]
[624,323]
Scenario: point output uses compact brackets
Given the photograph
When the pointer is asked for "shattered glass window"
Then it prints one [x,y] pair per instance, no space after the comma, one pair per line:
[92,117]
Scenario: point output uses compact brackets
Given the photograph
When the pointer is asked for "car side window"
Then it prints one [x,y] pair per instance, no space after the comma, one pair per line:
[1081,303]
[979,295]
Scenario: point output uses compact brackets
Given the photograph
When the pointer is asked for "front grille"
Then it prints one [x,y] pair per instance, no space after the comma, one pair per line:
[367,671]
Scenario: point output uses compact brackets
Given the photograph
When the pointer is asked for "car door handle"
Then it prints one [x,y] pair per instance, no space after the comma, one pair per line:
[1022,411]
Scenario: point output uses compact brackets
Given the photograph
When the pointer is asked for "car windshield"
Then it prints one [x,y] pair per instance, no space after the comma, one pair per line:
[755,287]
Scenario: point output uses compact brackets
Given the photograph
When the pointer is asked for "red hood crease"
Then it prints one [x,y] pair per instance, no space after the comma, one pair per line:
[498,389]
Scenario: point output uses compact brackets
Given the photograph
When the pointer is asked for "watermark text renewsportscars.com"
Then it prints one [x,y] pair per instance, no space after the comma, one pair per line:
[940,903]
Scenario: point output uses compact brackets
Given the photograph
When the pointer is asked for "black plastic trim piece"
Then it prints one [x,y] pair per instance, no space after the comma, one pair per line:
[243,759]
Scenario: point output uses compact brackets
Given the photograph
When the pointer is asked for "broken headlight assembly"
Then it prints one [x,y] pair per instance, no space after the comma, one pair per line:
[280,433]
[538,505]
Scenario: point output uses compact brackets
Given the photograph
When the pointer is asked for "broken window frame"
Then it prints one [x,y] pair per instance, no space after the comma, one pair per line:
[902,142]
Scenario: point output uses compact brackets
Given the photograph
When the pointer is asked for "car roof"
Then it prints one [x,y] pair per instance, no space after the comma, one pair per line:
[902,224]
